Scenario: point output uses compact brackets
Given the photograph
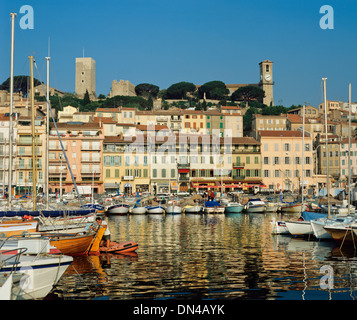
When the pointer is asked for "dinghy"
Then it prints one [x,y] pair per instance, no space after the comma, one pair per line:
[122,247]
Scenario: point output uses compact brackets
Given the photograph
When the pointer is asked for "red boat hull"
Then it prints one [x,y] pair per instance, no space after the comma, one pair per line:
[122,247]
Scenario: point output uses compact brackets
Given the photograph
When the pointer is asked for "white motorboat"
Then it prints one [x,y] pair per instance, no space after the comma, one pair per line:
[299,228]
[137,210]
[213,207]
[279,227]
[43,268]
[118,209]
[255,206]
[234,207]
[173,209]
[155,209]
[193,209]
[271,207]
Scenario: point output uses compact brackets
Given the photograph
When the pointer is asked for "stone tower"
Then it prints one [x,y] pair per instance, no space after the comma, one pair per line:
[266,81]
[85,77]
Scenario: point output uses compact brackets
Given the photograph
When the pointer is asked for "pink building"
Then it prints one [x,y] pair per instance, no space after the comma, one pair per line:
[83,144]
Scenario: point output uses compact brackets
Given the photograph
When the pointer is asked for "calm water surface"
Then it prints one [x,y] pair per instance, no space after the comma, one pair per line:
[209,257]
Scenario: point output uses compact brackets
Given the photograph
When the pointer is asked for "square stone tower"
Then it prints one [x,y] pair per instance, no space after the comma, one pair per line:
[266,81]
[85,77]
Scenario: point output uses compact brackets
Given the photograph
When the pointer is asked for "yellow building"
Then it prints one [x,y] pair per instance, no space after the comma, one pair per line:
[284,158]
[125,165]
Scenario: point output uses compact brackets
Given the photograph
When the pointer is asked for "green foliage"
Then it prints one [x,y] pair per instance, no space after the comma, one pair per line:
[86,99]
[248,93]
[20,84]
[275,110]
[247,118]
[146,90]
[215,90]
[179,90]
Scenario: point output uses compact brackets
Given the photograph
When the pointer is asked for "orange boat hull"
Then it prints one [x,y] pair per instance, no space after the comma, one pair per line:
[73,244]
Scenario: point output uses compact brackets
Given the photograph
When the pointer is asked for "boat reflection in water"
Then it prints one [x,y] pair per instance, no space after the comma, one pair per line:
[190,256]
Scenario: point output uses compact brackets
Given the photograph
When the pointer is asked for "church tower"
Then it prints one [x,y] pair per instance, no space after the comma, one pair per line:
[266,81]
[85,77]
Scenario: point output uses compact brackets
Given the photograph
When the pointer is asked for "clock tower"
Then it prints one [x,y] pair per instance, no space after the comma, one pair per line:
[266,81]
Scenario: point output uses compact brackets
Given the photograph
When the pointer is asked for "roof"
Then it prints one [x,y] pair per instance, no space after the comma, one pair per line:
[108,110]
[244,140]
[281,133]
[143,127]
[81,126]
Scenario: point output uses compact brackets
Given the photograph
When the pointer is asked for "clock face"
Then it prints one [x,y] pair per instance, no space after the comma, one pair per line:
[267,77]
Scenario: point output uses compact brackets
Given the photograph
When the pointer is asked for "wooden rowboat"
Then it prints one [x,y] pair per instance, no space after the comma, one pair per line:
[122,247]
[72,244]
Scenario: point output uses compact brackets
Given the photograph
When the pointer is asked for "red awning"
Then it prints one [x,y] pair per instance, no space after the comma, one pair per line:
[183,170]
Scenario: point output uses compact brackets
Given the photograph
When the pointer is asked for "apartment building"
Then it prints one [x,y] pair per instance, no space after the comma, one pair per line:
[286,162]
[267,122]
[83,145]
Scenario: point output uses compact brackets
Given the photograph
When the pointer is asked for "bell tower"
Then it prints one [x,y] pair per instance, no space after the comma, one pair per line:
[266,81]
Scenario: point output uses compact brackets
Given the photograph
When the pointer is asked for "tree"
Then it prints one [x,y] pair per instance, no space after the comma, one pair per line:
[248,93]
[146,90]
[215,90]
[86,98]
[179,90]
[21,83]
[101,96]
[247,118]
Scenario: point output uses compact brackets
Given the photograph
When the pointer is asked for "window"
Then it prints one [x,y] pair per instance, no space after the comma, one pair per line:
[173,173]
[276,160]
[163,173]
[266,173]
[154,173]
[287,160]
[297,160]
[266,160]
[107,173]
[286,146]
[116,173]
[276,173]
[276,147]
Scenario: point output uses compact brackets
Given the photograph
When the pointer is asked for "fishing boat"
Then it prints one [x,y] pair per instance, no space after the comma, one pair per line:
[36,258]
[193,209]
[137,210]
[173,208]
[72,244]
[17,227]
[271,207]
[299,228]
[122,247]
[155,209]
[118,209]
[255,206]
[341,233]
[234,207]
[213,207]
[292,207]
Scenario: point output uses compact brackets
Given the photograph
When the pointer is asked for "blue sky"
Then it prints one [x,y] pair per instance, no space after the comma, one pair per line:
[164,42]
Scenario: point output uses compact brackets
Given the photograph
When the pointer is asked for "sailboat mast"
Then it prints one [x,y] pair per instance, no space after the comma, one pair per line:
[327,153]
[34,164]
[11,134]
[47,131]
[349,151]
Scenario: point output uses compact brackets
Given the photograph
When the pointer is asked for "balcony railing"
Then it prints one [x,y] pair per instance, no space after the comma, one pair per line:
[183,165]
[239,164]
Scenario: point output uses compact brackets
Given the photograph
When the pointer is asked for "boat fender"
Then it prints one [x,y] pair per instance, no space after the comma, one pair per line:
[300,219]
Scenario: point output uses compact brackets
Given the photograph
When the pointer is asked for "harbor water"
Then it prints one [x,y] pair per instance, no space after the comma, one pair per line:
[222,256]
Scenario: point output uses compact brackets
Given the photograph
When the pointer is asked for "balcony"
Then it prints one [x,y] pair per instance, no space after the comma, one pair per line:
[57,172]
[161,119]
[176,118]
[184,178]
[183,166]
[90,160]
[238,164]
[127,178]
[238,177]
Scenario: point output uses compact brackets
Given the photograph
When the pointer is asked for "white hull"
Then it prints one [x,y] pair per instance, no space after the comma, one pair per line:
[214,210]
[138,210]
[193,209]
[118,210]
[155,210]
[271,207]
[257,209]
[279,227]
[299,228]
[173,210]
[43,273]
[319,230]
